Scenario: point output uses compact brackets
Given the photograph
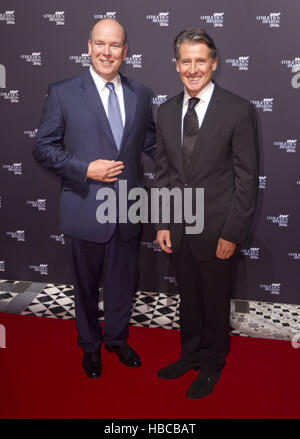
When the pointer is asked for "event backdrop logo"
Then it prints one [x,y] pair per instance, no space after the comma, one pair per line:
[273,288]
[134,60]
[15,168]
[265,105]
[11,95]
[83,59]
[19,235]
[241,63]
[159,99]
[251,253]
[280,220]
[8,16]
[58,18]
[289,145]
[41,268]
[217,19]
[262,182]
[162,19]
[295,256]
[31,133]
[2,265]
[58,238]
[272,20]
[39,204]
[112,14]
[35,58]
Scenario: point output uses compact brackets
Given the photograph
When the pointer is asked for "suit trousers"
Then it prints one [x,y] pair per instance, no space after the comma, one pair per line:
[205,290]
[117,261]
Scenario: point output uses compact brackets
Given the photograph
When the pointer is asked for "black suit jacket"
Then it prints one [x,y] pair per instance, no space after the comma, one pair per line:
[224,163]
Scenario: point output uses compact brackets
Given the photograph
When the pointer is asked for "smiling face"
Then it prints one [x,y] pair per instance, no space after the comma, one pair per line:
[107,49]
[195,66]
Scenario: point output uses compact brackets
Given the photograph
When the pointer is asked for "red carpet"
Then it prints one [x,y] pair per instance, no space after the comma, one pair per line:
[41,377]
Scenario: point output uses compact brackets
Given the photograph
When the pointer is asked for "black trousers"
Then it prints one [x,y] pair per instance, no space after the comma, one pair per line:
[205,291]
[117,260]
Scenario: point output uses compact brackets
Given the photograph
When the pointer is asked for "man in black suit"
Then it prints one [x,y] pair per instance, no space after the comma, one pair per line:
[206,138]
[93,131]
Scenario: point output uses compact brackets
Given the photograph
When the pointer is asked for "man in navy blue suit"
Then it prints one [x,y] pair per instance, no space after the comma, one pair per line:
[93,131]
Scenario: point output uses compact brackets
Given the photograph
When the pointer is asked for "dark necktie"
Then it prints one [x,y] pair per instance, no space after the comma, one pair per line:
[114,114]
[190,133]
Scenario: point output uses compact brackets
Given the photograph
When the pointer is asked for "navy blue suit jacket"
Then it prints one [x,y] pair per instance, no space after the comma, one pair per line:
[74,131]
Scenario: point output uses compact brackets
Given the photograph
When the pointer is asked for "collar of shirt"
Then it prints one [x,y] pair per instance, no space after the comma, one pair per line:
[104,91]
[204,95]
[101,82]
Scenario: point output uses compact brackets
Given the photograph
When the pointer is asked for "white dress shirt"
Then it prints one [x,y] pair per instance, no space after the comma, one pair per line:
[204,95]
[104,91]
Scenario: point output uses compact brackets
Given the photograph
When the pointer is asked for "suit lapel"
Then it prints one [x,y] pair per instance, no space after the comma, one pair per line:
[177,123]
[207,127]
[93,101]
[130,99]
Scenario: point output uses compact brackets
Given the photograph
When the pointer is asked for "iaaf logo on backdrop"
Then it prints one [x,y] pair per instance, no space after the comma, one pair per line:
[2,265]
[241,63]
[35,58]
[151,245]
[293,64]
[58,18]
[295,255]
[30,133]
[217,19]
[289,145]
[12,96]
[134,60]
[42,268]
[266,104]
[273,20]
[83,59]
[112,14]
[58,238]
[149,175]
[159,99]
[8,16]
[39,204]
[262,182]
[273,288]
[280,220]
[162,18]
[16,168]
[251,253]
[170,279]
[19,235]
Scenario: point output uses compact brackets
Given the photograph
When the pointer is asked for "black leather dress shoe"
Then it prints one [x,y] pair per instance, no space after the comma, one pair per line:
[174,370]
[126,354]
[91,364]
[202,386]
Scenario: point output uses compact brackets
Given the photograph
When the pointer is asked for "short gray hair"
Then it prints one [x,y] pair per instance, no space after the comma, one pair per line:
[194,35]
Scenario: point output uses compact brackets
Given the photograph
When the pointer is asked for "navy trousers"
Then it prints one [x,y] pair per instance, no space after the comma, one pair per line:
[117,261]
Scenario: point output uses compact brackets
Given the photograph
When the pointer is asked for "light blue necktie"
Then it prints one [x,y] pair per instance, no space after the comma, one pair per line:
[114,114]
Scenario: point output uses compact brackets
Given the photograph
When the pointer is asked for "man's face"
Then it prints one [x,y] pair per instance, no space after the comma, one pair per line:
[107,49]
[195,66]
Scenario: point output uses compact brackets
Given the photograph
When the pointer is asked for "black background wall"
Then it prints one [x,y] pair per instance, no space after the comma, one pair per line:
[259,58]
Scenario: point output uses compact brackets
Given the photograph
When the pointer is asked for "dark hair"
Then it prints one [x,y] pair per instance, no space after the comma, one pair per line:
[102,19]
[194,35]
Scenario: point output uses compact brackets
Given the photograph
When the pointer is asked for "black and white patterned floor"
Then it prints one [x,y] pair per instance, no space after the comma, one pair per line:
[257,319]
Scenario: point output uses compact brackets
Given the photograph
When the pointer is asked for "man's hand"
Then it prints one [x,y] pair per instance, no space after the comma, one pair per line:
[104,170]
[225,249]
[163,239]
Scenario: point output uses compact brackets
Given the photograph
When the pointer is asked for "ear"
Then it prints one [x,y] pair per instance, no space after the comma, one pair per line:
[125,51]
[89,47]
[214,64]
[177,66]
